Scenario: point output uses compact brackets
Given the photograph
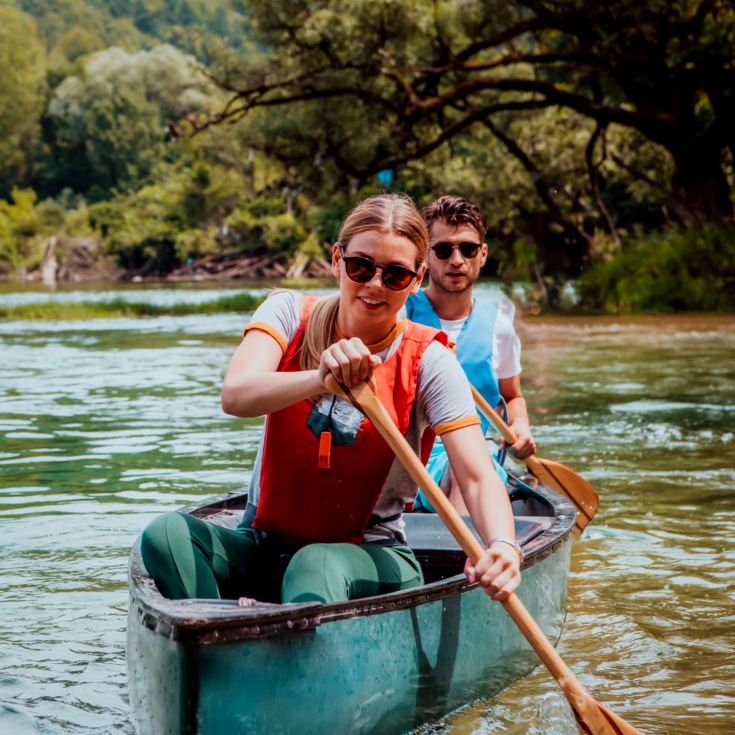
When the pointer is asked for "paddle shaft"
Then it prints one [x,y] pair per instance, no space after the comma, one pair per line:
[582,495]
[501,426]
[368,403]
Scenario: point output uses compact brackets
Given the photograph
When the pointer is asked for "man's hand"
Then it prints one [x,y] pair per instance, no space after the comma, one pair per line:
[524,445]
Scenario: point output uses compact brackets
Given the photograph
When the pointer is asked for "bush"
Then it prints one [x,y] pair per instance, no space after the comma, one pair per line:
[277,232]
[283,233]
[197,243]
[24,228]
[672,270]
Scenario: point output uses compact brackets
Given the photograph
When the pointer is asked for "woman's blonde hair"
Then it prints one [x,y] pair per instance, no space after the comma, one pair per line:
[389,213]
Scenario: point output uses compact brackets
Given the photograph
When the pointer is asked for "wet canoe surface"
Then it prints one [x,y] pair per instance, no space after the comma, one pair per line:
[382,664]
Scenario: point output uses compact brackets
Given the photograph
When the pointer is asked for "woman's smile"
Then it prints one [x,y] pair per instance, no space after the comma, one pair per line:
[371,303]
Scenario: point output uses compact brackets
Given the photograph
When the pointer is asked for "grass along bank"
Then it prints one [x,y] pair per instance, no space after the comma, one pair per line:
[116,308]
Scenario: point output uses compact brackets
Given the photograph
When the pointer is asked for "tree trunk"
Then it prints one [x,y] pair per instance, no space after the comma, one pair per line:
[701,193]
[48,264]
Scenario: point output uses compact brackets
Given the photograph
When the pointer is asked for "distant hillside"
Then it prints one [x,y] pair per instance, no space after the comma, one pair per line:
[87,25]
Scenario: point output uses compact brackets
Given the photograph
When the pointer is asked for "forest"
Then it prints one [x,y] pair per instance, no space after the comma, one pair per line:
[195,139]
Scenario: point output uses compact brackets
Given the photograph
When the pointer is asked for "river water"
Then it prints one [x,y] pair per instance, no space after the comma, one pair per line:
[106,423]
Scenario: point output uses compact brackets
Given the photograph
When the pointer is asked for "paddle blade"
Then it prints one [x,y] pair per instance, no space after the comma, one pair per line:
[620,725]
[594,718]
[579,491]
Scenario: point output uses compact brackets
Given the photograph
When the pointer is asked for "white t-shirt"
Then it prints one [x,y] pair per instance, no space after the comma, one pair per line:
[443,402]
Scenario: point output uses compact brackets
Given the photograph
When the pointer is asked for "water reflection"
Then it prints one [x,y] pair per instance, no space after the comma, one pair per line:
[107,423]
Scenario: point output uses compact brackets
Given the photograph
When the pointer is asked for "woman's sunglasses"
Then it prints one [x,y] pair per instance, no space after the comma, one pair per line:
[361,270]
[444,250]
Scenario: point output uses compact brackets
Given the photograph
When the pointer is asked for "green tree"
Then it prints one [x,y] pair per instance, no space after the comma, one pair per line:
[145,18]
[218,22]
[108,126]
[22,95]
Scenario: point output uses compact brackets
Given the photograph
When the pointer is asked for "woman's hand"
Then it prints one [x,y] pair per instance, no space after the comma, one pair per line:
[498,571]
[349,361]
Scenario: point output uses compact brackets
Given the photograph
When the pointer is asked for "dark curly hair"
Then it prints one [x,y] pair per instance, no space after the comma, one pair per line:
[455,211]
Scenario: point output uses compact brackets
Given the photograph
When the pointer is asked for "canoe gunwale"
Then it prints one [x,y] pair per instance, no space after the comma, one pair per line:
[219,621]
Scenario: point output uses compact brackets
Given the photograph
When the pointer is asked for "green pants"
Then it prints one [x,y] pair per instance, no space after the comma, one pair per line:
[188,557]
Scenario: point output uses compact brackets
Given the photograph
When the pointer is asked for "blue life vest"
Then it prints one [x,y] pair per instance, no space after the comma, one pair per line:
[474,344]
[475,354]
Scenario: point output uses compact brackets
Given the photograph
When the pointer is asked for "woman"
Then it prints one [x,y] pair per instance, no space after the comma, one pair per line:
[329,492]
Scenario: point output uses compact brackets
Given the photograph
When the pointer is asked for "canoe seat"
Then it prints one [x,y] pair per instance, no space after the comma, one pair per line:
[440,555]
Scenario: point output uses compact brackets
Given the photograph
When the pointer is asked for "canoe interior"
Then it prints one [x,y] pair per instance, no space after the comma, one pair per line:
[543,520]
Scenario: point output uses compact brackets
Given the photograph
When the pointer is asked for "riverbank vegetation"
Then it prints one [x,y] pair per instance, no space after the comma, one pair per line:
[182,139]
[692,270]
[115,308]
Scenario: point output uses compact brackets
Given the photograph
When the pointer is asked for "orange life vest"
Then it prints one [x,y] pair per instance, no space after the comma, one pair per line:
[311,493]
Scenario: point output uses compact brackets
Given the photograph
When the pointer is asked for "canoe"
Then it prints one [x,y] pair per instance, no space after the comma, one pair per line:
[382,664]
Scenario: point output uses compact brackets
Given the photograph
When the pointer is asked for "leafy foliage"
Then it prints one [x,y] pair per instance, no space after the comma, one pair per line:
[690,270]
[421,75]
[26,224]
[107,126]
[139,23]
[22,91]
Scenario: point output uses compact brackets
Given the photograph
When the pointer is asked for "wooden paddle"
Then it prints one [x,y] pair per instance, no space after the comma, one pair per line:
[592,717]
[580,493]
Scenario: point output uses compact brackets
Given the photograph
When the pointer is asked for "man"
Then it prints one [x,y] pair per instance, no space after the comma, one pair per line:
[487,345]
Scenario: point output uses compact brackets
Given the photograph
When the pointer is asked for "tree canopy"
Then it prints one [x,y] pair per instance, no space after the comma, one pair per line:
[420,74]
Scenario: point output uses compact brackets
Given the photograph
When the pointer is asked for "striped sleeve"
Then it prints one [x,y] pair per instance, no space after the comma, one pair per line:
[279,316]
[457,424]
[268,329]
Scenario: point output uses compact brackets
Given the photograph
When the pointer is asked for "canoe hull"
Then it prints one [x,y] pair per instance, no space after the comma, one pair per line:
[369,673]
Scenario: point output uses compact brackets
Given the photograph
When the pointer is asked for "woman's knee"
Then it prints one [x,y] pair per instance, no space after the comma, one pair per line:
[315,573]
[161,536]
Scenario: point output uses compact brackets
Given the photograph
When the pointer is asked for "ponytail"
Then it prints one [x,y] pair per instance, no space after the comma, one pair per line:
[320,329]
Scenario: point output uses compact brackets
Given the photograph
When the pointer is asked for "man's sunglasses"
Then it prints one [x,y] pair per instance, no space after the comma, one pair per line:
[444,250]
[361,270]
